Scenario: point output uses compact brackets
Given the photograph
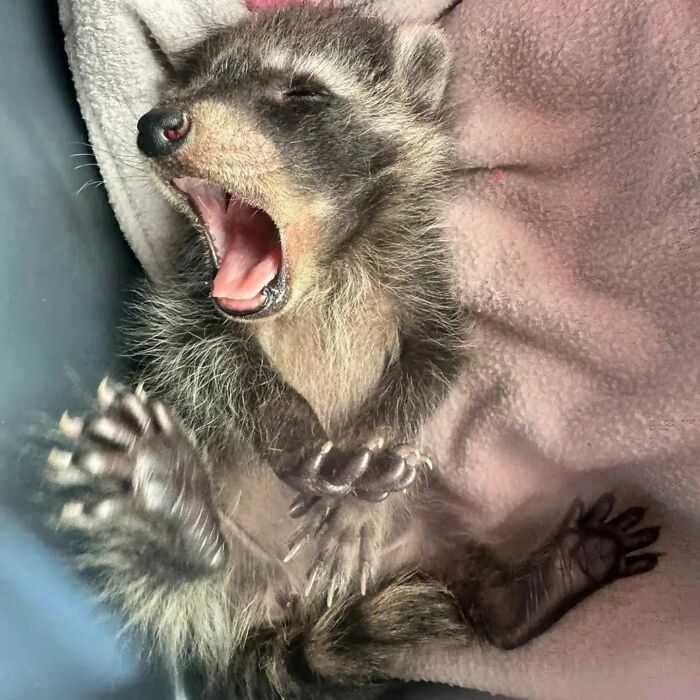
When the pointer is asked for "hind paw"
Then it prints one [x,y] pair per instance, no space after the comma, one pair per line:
[347,538]
[139,466]
[599,549]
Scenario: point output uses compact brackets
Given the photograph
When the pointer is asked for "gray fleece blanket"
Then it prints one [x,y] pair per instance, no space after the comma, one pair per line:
[576,244]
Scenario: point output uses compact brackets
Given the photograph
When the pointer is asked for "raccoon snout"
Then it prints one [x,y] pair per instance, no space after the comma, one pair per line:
[162,131]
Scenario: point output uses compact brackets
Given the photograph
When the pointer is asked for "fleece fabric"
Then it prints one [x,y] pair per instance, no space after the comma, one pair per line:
[576,247]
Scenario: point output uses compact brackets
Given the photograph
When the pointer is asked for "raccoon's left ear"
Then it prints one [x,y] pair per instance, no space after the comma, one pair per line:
[423,64]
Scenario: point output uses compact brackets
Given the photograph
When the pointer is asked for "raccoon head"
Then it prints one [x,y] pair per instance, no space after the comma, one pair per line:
[286,137]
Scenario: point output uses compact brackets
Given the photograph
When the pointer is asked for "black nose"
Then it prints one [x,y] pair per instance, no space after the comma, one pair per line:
[162,131]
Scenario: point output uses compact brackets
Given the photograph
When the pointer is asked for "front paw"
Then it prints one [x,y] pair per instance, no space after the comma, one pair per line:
[142,472]
[370,471]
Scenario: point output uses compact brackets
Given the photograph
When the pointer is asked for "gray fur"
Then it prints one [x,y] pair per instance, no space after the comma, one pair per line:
[370,340]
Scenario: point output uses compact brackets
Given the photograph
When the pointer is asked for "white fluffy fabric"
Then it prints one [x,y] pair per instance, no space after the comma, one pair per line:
[576,243]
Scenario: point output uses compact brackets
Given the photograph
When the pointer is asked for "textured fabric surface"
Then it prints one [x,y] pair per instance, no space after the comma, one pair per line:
[576,247]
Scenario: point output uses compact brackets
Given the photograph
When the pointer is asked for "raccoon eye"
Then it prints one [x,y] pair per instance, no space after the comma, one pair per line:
[305,91]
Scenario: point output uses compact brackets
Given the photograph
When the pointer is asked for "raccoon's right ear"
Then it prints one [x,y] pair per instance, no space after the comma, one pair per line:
[422,65]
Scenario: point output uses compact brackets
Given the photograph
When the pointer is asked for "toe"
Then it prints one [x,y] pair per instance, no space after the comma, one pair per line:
[640,538]
[639,564]
[71,427]
[390,468]
[109,463]
[134,410]
[600,510]
[302,504]
[77,514]
[110,430]
[408,478]
[106,393]
[353,468]
[627,520]
[370,495]
[574,514]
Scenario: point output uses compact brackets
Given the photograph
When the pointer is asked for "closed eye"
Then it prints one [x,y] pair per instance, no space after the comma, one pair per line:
[305,91]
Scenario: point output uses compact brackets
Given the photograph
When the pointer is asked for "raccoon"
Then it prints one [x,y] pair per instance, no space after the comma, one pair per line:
[261,504]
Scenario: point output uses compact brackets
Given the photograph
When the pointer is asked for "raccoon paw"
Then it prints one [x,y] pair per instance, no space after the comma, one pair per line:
[589,551]
[348,541]
[370,472]
[145,469]
[594,549]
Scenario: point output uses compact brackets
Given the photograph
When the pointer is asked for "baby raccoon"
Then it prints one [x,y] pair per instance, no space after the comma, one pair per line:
[261,504]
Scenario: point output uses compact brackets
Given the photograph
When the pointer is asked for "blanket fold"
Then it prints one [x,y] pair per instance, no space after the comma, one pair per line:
[576,246]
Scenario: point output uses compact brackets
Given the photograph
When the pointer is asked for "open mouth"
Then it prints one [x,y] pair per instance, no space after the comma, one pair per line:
[245,246]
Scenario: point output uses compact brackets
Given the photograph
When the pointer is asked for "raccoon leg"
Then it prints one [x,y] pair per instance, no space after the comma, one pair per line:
[146,476]
[348,651]
[590,550]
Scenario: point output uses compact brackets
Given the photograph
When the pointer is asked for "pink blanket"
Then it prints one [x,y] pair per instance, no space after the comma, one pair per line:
[576,240]
[576,243]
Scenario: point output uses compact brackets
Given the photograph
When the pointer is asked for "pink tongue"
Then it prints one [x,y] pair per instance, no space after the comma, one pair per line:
[242,275]
[251,257]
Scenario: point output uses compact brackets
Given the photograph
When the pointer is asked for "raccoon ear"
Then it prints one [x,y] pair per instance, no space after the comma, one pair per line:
[422,65]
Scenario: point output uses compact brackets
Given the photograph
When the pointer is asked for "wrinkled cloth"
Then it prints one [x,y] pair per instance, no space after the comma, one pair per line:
[575,236]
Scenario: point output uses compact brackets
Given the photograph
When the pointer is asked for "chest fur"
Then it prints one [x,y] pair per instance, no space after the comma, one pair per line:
[333,359]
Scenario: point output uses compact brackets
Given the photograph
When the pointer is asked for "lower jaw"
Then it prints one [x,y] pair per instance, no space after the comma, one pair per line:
[242,306]
[269,301]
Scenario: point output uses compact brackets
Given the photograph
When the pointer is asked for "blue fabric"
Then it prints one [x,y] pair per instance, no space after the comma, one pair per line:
[63,271]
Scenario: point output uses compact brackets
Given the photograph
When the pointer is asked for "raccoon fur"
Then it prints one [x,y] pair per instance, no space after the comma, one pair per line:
[259,502]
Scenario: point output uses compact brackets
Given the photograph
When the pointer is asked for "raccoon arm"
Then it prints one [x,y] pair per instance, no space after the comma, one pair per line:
[414,385]
[291,437]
